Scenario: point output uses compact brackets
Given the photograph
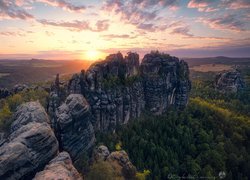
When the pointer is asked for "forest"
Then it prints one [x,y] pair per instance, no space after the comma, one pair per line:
[209,138]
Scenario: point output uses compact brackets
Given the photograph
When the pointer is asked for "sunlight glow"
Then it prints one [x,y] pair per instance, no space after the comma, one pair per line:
[92,55]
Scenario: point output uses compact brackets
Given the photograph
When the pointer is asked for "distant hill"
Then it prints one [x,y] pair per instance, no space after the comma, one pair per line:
[217,60]
[36,70]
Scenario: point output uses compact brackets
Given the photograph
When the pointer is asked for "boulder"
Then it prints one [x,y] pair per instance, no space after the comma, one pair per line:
[30,146]
[101,153]
[29,112]
[119,160]
[73,126]
[60,167]
[19,87]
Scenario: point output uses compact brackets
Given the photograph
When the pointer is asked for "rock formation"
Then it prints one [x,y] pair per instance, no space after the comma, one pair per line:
[4,93]
[112,92]
[19,87]
[73,126]
[118,160]
[60,167]
[230,81]
[118,89]
[30,145]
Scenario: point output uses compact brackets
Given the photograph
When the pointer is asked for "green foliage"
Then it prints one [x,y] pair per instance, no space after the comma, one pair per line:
[200,141]
[102,170]
[114,81]
[9,105]
[142,175]
[5,115]
[118,146]
[111,82]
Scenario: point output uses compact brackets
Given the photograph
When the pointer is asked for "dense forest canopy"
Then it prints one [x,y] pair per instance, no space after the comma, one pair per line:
[209,138]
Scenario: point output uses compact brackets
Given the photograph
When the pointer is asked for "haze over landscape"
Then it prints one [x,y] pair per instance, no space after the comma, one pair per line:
[91,29]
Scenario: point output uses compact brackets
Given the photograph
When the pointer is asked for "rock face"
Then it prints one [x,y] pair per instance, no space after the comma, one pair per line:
[118,160]
[118,89]
[31,144]
[166,82]
[60,167]
[230,81]
[101,153]
[29,112]
[73,126]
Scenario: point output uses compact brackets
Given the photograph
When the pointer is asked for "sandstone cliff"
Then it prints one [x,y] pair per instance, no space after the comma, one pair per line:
[118,89]
[230,81]
[60,167]
[31,144]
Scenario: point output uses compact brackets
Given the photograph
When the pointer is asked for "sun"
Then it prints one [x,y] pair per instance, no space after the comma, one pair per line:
[92,55]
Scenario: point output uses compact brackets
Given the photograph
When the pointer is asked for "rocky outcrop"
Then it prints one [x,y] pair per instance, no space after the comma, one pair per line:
[29,112]
[4,93]
[19,87]
[101,153]
[73,126]
[118,160]
[112,93]
[166,82]
[230,81]
[103,85]
[118,89]
[60,167]
[31,144]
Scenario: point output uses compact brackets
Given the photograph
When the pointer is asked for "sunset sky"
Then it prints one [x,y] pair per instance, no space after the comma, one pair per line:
[90,29]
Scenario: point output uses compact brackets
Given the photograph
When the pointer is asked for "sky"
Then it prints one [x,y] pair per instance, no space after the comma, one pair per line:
[91,29]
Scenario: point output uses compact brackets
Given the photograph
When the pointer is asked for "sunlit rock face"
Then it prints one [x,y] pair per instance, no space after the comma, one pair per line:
[31,144]
[60,167]
[230,81]
[119,88]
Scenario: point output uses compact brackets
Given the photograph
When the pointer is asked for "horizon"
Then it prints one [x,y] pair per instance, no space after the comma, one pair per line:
[90,30]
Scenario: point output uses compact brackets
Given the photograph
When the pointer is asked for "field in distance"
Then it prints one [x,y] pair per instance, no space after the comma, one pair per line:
[33,71]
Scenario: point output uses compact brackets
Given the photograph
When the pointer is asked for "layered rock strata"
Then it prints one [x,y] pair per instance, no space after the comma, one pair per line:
[30,145]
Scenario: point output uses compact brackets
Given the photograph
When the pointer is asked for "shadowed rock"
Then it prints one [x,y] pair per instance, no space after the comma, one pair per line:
[60,167]
[118,89]
[30,145]
[230,81]
[74,129]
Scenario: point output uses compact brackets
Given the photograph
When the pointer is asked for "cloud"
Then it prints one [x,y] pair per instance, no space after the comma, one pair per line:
[212,5]
[20,33]
[237,4]
[9,10]
[78,25]
[122,36]
[141,13]
[203,5]
[199,3]
[226,22]
[182,31]
[64,5]
[101,26]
